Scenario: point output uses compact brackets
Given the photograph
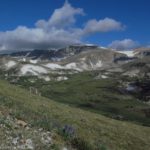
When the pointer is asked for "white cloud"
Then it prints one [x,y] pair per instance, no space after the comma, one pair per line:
[104,25]
[125,44]
[61,17]
[58,31]
[27,38]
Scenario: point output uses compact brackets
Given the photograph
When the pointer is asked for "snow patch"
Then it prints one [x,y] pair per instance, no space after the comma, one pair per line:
[103,47]
[61,78]
[32,69]
[90,45]
[21,60]
[104,77]
[99,64]
[83,59]
[100,76]
[33,61]
[53,66]
[10,64]
[72,66]
[128,53]
[47,79]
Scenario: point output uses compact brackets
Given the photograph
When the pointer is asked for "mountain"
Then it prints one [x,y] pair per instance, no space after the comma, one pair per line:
[52,54]
[57,55]
[74,59]
[81,97]
[142,52]
[59,65]
[77,58]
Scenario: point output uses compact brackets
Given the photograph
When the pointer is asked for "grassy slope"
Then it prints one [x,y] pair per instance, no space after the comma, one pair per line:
[95,129]
[100,96]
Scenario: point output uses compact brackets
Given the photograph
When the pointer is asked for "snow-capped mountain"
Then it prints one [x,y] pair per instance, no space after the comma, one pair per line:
[53,55]
[142,52]
[71,59]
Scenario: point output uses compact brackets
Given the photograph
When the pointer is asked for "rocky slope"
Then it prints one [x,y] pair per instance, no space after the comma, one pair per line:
[142,52]
[77,58]
[74,59]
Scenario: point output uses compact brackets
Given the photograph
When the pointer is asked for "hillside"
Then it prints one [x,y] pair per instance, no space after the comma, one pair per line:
[76,98]
[77,58]
[101,92]
[91,131]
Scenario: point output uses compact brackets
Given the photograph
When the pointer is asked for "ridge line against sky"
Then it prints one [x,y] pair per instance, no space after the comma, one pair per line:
[61,30]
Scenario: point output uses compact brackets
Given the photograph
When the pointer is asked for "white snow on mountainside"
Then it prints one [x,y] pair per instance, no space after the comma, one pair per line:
[42,62]
[128,53]
[53,66]
[32,69]
[10,64]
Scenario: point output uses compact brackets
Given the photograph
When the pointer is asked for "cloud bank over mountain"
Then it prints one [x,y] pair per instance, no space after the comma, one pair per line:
[58,31]
[125,44]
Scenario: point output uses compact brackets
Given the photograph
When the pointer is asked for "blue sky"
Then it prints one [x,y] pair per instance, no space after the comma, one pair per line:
[129,23]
